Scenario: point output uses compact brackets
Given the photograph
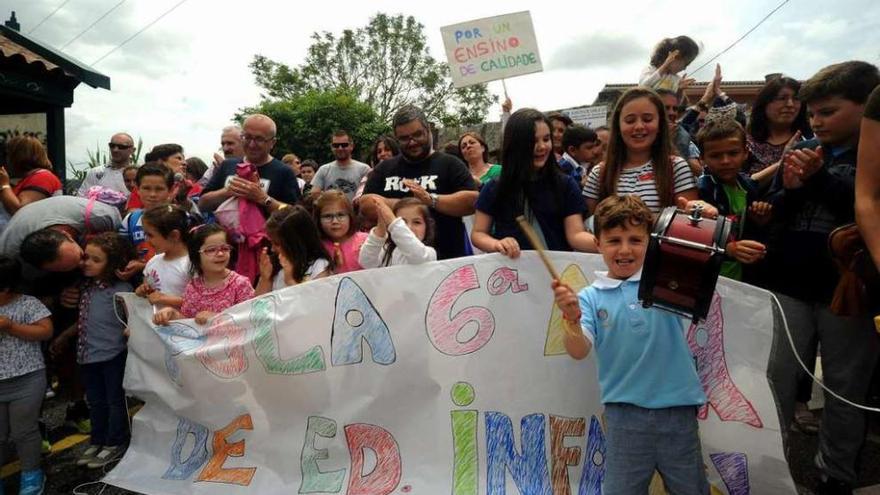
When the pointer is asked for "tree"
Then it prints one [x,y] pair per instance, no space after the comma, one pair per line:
[305,123]
[385,64]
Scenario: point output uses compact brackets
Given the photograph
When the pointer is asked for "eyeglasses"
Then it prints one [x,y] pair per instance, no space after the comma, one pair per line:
[340,145]
[215,250]
[416,136]
[117,146]
[329,217]
[256,139]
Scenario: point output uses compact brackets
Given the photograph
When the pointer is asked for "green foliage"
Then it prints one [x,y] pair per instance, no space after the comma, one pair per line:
[306,122]
[385,64]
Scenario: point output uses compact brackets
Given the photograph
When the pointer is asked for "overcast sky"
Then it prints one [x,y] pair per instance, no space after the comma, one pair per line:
[183,79]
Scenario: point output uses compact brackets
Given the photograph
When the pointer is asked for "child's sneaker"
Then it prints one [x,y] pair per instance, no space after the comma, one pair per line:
[106,456]
[89,455]
[32,482]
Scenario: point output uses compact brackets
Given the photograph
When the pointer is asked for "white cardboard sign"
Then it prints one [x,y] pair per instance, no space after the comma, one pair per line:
[491,48]
[442,378]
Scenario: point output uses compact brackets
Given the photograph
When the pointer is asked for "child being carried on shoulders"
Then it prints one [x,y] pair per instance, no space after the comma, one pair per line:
[647,377]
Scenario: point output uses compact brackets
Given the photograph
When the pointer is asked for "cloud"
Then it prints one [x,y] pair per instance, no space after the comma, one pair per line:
[597,49]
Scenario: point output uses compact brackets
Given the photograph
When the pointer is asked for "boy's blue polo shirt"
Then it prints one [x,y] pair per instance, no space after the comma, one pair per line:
[643,355]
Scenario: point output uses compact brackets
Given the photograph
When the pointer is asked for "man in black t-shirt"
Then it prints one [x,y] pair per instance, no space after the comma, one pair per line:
[441,181]
[278,185]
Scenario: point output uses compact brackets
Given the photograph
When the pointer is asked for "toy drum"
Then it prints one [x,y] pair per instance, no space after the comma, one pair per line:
[683,262]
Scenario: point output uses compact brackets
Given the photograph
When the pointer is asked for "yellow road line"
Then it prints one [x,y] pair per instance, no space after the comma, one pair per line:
[59,446]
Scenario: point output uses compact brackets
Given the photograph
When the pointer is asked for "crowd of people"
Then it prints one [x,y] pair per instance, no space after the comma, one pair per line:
[196,239]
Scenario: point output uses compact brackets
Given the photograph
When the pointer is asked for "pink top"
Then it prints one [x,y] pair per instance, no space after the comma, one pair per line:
[345,255]
[196,297]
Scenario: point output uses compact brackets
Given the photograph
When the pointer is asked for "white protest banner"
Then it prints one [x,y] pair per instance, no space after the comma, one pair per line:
[588,116]
[491,48]
[445,378]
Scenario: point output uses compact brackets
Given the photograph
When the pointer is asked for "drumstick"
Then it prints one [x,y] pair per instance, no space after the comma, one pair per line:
[536,243]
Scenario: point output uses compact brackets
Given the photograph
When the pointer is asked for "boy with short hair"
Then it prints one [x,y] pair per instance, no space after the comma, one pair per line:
[813,193]
[733,193]
[582,150]
[648,380]
[154,184]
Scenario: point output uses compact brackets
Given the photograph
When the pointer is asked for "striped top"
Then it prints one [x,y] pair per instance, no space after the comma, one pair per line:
[640,182]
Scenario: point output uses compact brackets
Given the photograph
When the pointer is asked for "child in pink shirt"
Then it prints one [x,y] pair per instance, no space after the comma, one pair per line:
[214,287]
[334,215]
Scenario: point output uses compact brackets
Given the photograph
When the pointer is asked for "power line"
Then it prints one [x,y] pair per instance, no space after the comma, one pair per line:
[740,38]
[135,35]
[48,16]
[84,31]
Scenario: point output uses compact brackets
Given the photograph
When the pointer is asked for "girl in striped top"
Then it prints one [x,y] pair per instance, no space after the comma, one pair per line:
[639,160]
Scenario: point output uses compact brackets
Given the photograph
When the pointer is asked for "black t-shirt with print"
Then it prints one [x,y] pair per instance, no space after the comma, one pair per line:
[439,173]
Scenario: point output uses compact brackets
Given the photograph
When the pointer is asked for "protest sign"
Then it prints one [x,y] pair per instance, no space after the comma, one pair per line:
[442,378]
[491,48]
[588,116]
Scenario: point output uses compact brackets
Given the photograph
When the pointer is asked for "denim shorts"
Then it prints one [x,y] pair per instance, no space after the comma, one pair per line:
[640,441]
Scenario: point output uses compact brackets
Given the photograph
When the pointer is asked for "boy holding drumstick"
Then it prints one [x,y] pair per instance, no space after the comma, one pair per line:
[647,376]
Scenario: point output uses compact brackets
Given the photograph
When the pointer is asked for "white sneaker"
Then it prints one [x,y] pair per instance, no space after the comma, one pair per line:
[89,455]
[105,456]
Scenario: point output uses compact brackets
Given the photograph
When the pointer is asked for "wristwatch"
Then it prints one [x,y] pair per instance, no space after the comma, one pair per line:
[268,201]
[434,198]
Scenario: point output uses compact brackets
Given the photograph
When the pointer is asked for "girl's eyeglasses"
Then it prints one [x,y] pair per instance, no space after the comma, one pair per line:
[215,250]
[329,217]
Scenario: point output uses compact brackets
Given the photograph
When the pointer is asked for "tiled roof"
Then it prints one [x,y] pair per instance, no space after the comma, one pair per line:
[9,49]
[14,44]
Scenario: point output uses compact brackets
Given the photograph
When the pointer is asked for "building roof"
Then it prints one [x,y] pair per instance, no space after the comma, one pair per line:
[15,44]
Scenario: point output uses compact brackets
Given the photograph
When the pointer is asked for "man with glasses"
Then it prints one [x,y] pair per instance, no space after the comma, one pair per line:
[277,185]
[440,181]
[111,175]
[232,147]
[344,173]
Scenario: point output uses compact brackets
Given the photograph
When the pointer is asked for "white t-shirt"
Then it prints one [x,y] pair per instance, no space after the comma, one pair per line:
[317,266]
[167,276]
[639,181]
[106,176]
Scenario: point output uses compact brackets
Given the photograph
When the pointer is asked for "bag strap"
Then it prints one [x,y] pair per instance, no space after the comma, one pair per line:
[88,216]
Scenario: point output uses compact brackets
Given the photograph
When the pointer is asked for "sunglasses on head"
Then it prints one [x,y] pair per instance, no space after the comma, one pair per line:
[117,146]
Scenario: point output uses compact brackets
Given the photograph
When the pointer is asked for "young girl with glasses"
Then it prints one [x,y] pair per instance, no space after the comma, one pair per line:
[335,217]
[214,287]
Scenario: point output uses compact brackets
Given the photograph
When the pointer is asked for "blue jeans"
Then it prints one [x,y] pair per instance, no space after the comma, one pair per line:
[640,441]
[106,398]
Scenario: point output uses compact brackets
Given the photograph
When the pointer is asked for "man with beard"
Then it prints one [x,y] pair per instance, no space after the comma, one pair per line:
[440,181]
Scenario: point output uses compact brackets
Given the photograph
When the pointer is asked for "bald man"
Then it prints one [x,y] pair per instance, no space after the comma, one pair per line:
[111,175]
[278,185]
